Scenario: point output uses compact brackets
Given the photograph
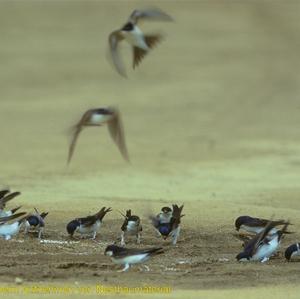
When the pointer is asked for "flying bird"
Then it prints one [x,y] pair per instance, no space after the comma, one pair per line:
[127,257]
[167,222]
[87,225]
[99,117]
[131,226]
[263,245]
[141,43]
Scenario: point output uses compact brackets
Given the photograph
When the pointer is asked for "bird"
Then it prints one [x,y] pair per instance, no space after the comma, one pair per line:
[292,250]
[127,257]
[87,225]
[99,117]
[263,245]
[131,226]
[7,230]
[255,225]
[141,43]
[36,221]
[167,222]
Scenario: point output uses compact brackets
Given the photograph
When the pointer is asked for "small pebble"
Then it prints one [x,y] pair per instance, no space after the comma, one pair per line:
[18,280]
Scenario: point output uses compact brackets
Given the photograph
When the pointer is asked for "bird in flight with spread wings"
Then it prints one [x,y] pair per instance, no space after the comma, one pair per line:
[100,117]
[141,43]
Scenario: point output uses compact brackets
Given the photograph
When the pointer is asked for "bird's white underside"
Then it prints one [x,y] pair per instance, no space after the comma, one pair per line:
[132,259]
[136,38]
[9,229]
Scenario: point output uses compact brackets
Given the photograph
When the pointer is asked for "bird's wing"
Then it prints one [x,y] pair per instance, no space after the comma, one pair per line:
[10,196]
[100,215]
[154,220]
[259,238]
[76,131]
[139,53]
[135,251]
[114,38]
[154,14]
[13,216]
[3,193]
[87,221]
[116,131]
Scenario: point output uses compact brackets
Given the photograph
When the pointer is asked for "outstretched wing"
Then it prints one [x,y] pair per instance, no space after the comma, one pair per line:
[139,53]
[76,131]
[154,14]
[116,132]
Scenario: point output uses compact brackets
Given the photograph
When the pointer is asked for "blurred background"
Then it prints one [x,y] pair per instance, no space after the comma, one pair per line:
[212,113]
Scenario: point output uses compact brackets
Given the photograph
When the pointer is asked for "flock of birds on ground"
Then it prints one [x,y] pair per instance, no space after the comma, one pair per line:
[263,240]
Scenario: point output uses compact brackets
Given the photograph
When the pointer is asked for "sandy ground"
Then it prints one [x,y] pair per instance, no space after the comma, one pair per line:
[211,120]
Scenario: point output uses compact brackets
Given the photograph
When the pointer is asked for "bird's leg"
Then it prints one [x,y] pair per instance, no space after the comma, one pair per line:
[41,230]
[122,239]
[7,237]
[175,235]
[127,266]
[26,229]
[94,235]
[138,238]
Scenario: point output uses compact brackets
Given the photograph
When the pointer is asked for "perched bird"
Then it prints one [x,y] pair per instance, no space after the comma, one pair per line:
[255,225]
[167,223]
[7,230]
[6,196]
[99,117]
[263,245]
[127,257]
[141,43]
[87,225]
[292,250]
[36,221]
[131,226]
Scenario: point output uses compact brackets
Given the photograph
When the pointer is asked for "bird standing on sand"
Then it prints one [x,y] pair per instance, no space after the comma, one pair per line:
[256,225]
[99,117]
[167,223]
[141,43]
[36,221]
[131,226]
[87,225]
[127,257]
[263,245]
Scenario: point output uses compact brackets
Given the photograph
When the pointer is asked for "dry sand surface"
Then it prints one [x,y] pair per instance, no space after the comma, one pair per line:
[211,119]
